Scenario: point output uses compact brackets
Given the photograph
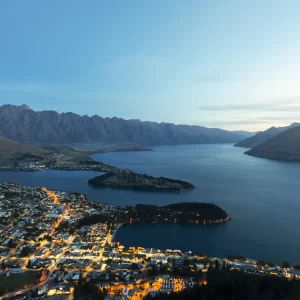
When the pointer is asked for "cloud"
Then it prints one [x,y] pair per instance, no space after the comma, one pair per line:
[287,118]
[287,105]
[232,107]
[271,120]
[219,123]
[258,116]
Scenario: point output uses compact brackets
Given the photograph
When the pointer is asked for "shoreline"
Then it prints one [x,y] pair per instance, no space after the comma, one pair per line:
[116,230]
[141,190]
[224,221]
[119,225]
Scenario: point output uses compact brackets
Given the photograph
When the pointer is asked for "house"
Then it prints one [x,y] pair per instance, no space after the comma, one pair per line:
[63,288]
[178,262]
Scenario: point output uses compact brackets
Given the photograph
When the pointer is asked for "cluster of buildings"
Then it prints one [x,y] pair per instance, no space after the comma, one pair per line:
[47,164]
[64,238]
[24,166]
[54,165]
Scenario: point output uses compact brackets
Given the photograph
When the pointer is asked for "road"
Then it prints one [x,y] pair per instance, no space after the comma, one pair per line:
[17,219]
[23,291]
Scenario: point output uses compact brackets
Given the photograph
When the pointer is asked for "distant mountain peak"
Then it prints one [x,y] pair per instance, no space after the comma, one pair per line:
[295,124]
[284,146]
[24,106]
[263,136]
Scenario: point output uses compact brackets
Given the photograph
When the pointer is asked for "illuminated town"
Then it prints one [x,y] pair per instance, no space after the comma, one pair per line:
[67,242]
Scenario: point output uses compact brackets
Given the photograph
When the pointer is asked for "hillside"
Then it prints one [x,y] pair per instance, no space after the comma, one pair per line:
[12,152]
[246,134]
[24,125]
[263,136]
[285,146]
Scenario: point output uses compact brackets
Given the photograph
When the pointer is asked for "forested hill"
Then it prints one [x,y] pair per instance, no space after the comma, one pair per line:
[185,212]
[234,285]
[25,125]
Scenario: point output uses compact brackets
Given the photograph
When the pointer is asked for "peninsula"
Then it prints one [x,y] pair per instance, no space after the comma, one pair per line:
[125,179]
[183,213]
[18,157]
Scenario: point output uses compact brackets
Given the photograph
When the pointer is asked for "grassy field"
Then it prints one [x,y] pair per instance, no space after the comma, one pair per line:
[16,281]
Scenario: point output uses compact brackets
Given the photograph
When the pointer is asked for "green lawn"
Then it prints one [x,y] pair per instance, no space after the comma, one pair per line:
[16,281]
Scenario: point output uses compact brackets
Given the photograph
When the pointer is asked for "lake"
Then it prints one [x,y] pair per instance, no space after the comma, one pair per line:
[261,196]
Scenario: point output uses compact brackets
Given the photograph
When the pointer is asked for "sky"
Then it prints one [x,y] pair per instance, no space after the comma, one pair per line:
[230,64]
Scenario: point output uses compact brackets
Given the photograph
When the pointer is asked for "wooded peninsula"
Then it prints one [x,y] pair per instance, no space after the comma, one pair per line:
[125,179]
[182,213]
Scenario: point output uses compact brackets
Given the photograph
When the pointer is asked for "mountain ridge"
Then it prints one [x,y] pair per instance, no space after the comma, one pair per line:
[22,124]
[263,136]
[284,146]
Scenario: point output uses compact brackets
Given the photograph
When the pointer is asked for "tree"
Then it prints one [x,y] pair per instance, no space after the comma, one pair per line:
[3,265]
[48,238]
[12,244]
[29,264]
[286,264]
[99,296]
[238,285]
[81,287]
[25,252]
[76,291]
[80,279]
[261,262]
[228,267]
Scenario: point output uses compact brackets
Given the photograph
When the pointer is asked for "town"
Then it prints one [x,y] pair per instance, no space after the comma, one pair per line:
[49,164]
[61,244]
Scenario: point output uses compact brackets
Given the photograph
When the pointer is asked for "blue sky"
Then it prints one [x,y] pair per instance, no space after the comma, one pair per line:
[231,64]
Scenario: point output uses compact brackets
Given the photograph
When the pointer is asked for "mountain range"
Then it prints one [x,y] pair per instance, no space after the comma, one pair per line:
[284,146]
[22,124]
[263,136]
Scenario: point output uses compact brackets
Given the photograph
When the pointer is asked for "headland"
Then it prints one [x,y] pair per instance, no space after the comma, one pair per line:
[125,179]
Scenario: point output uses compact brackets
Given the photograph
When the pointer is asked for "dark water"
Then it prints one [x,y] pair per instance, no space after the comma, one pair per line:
[261,196]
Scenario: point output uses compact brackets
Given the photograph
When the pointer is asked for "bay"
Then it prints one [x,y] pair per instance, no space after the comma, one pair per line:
[261,196]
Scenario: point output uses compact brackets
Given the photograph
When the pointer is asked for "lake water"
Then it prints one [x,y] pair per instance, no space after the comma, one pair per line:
[261,196]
